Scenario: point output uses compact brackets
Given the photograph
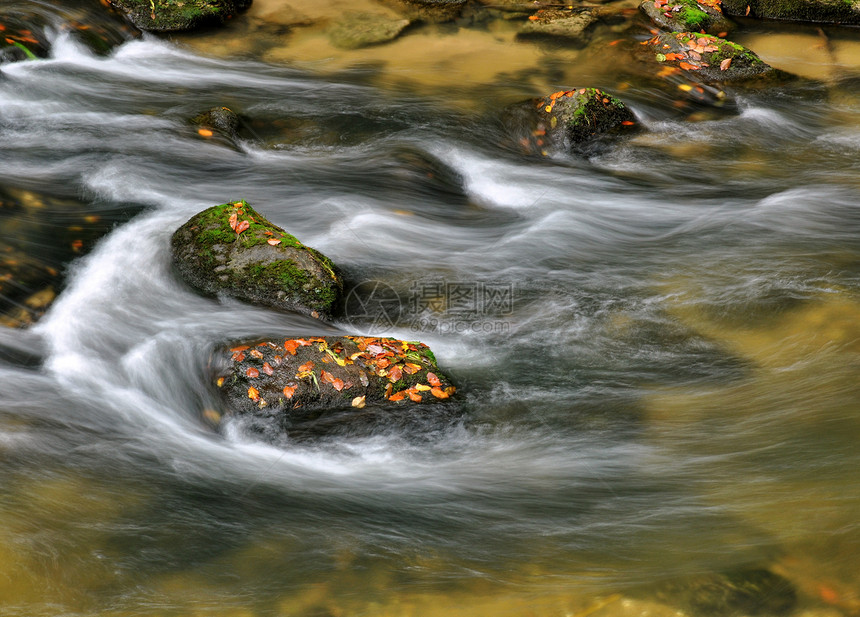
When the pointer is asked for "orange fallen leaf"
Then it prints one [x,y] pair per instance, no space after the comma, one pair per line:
[267,368]
[688,67]
[398,397]
[240,348]
[238,356]
[242,226]
[725,64]
[411,368]
[338,384]
[747,12]
[253,394]
[256,353]
[828,594]
[414,396]
[289,391]
[252,372]
[234,218]
[438,392]
[204,132]
[326,377]
[533,18]
[395,373]
[220,382]
[627,123]
[307,366]
[273,241]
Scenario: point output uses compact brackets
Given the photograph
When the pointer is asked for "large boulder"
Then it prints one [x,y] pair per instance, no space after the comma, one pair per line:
[356,30]
[231,249]
[292,382]
[688,15]
[713,60]
[579,120]
[178,15]
[815,11]
[433,11]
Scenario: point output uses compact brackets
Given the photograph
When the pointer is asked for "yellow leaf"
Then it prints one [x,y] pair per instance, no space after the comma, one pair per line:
[358,401]
[421,387]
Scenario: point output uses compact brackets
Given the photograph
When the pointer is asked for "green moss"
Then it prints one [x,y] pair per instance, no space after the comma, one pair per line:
[694,17]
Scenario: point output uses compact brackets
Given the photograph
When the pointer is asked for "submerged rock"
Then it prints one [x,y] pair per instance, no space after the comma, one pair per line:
[687,15]
[232,249]
[559,24]
[815,11]
[178,15]
[434,11]
[292,382]
[751,591]
[711,59]
[576,120]
[355,30]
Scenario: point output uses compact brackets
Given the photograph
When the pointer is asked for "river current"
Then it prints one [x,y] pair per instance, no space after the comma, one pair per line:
[657,348]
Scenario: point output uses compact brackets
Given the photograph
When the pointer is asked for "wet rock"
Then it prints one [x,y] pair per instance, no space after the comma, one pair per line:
[815,11]
[434,11]
[296,382]
[231,249]
[559,24]
[710,59]
[221,120]
[579,120]
[687,15]
[178,15]
[355,30]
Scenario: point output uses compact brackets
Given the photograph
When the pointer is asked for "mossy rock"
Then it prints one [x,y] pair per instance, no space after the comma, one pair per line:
[179,15]
[356,30]
[687,15]
[558,24]
[581,121]
[433,11]
[291,382]
[813,11]
[231,249]
[710,59]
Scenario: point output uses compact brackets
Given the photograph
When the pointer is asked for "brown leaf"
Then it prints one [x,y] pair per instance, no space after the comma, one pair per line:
[252,372]
[433,380]
[327,377]
[725,64]
[289,391]
[395,373]
[267,368]
[307,366]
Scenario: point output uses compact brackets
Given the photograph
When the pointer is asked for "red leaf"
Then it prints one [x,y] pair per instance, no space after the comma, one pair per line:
[627,123]
[242,226]
[252,372]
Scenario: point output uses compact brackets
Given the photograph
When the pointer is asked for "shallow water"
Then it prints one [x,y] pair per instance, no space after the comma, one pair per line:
[661,380]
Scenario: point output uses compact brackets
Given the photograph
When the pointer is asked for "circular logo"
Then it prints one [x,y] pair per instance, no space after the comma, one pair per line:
[374,306]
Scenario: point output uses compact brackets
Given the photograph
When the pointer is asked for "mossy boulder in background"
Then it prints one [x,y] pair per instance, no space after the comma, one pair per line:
[221,120]
[283,385]
[815,11]
[687,15]
[433,11]
[178,15]
[231,249]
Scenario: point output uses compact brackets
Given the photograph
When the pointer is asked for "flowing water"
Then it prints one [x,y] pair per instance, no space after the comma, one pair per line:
[660,380]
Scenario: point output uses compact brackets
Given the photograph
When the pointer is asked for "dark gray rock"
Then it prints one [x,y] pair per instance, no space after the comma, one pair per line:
[179,15]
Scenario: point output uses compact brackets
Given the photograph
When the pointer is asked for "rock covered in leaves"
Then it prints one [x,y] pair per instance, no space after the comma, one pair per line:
[356,30]
[711,59]
[815,11]
[178,15]
[687,15]
[296,380]
[558,23]
[573,120]
[234,250]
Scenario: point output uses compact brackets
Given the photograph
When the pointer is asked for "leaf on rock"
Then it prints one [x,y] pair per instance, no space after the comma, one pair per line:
[253,394]
[359,402]
[725,64]
[433,380]
[273,241]
[289,391]
[307,366]
[242,226]
[267,368]
[234,218]
[438,392]
[252,372]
